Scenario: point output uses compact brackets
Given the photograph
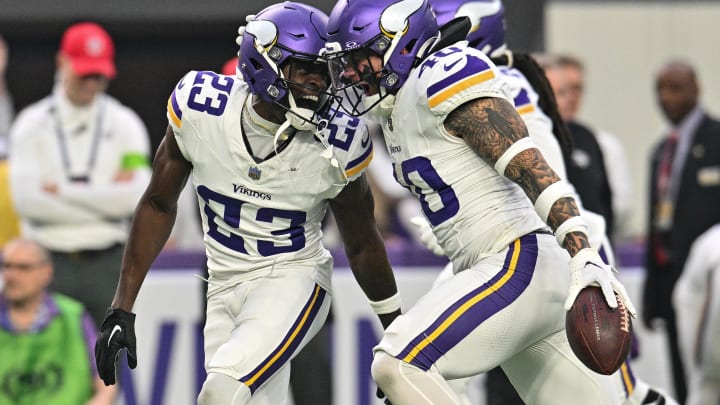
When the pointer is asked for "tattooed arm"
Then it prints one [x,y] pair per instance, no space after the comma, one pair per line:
[490,126]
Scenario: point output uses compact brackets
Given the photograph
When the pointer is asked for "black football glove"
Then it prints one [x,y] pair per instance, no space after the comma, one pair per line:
[380,394]
[116,333]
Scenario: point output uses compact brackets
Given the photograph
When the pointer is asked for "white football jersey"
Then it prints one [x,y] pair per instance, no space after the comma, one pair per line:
[473,210]
[258,215]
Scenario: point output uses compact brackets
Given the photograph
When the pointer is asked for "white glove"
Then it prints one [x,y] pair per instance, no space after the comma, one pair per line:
[241,29]
[427,237]
[586,269]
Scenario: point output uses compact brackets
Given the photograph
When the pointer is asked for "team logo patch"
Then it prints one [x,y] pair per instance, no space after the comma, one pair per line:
[254,173]
[94,46]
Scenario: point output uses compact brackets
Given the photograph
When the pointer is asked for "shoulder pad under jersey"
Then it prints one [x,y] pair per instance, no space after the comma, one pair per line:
[457,74]
[350,142]
[523,95]
[198,91]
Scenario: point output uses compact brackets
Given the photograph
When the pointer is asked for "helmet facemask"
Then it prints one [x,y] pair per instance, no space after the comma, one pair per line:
[358,82]
[307,102]
[398,32]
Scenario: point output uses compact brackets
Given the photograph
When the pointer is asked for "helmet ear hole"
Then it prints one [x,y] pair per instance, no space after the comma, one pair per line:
[410,45]
[255,64]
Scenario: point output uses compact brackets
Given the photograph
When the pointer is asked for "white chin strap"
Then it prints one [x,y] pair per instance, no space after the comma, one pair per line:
[298,117]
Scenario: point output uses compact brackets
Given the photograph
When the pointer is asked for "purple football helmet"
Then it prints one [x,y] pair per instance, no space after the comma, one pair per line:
[276,35]
[487,17]
[401,32]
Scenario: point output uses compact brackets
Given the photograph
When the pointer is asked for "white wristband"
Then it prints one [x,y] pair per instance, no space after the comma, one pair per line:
[546,199]
[386,306]
[520,145]
[574,224]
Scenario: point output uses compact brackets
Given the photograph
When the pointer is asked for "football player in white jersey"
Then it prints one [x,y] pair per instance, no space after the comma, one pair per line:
[697,302]
[533,98]
[458,143]
[266,162]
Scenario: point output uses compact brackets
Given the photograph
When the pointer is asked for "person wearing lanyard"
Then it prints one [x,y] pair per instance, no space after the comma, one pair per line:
[78,165]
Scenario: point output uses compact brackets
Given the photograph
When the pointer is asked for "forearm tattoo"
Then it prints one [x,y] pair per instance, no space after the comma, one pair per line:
[562,210]
[490,126]
[575,241]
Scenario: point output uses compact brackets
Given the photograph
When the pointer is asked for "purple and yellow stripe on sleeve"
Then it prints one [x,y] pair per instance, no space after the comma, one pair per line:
[288,345]
[466,314]
[357,165]
[522,102]
[173,110]
[474,72]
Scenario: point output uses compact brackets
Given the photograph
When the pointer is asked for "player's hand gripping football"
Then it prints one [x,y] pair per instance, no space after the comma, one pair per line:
[586,269]
[116,333]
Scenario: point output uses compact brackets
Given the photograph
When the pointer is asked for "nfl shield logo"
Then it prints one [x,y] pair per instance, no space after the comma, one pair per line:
[254,173]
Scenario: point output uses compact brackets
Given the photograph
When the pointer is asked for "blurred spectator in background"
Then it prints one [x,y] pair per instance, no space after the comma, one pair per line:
[78,165]
[229,67]
[6,105]
[46,339]
[598,166]
[684,195]
[697,303]
[9,222]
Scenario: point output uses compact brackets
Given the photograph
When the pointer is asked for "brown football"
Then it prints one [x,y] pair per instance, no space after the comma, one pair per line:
[599,336]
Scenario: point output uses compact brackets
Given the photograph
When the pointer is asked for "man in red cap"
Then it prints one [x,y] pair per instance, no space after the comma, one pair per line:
[79,162]
[86,61]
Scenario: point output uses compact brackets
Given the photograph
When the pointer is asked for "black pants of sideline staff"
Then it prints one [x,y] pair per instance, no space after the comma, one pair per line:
[90,276]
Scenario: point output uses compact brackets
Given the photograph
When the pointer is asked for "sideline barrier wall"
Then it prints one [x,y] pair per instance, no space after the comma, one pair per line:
[168,326]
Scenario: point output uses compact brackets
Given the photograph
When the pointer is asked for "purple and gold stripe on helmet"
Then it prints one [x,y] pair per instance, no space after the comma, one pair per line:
[289,343]
[174,111]
[627,377]
[522,102]
[357,165]
[474,72]
[466,314]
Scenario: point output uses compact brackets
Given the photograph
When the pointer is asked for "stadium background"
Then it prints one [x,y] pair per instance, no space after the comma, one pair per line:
[621,42]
